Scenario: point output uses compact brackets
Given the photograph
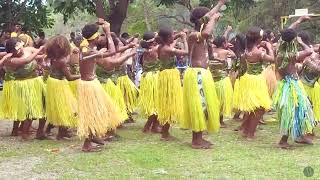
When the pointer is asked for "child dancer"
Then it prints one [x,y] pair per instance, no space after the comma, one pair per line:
[252,95]
[23,90]
[61,108]
[169,85]
[97,112]
[293,107]
[201,104]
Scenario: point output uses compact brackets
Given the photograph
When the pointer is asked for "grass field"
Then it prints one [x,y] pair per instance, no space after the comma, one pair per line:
[141,156]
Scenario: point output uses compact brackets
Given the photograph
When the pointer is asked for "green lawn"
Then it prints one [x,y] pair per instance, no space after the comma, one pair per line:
[141,156]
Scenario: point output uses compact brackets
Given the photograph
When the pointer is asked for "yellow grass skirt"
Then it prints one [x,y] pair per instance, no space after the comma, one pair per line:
[23,99]
[116,95]
[97,111]
[270,75]
[196,116]
[225,94]
[251,93]
[148,97]
[129,91]
[170,94]
[314,96]
[74,87]
[61,105]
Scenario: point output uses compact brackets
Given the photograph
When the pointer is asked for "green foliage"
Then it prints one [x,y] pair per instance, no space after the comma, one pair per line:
[33,14]
[70,8]
[137,27]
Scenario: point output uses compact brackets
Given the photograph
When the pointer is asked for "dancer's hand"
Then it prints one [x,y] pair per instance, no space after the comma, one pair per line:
[299,40]
[106,27]
[216,16]
[304,18]
[103,50]
[5,57]
[42,48]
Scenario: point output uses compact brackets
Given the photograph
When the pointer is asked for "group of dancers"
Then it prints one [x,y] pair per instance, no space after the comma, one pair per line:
[87,85]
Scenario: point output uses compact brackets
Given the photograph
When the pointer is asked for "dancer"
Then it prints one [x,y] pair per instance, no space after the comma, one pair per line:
[97,112]
[61,105]
[23,90]
[252,94]
[148,98]
[170,92]
[293,107]
[201,104]
[220,66]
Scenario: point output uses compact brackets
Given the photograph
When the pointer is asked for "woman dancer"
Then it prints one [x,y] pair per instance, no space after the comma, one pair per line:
[252,96]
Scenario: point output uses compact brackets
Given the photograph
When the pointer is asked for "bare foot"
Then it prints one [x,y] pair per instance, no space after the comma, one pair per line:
[157,129]
[166,137]
[97,141]
[15,133]
[304,140]
[223,125]
[284,145]
[91,148]
[200,145]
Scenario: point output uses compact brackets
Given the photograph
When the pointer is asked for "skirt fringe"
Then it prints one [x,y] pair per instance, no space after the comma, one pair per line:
[225,94]
[129,91]
[97,112]
[23,99]
[293,108]
[170,94]
[201,104]
[61,105]
[251,93]
[116,95]
[148,98]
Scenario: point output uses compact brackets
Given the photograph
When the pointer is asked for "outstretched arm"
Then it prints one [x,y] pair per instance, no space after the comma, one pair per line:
[296,24]
[16,62]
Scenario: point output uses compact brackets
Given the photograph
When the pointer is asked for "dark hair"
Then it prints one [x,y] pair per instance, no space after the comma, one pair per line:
[41,34]
[288,35]
[239,44]
[196,14]
[148,35]
[164,34]
[24,29]
[89,30]
[125,35]
[252,36]
[219,41]
[305,37]
[11,44]
[58,47]
[267,35]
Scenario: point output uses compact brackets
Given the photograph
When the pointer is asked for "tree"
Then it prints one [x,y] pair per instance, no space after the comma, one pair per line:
[114,11]
[33,14]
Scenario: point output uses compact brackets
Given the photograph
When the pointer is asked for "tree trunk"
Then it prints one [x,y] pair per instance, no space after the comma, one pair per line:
[146,14]
[118,13]
[100,11]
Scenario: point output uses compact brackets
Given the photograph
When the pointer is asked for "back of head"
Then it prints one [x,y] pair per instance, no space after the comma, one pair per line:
[11,44]
[196,15]
[57,47]
[164,34]
[41,34]
[148,35]
[89,30]
[288,35]
[239,44]
[254,34]
[219,41]
[125,35]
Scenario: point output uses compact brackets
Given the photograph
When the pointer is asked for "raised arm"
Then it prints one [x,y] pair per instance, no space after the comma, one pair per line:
[227,32]
[296,24]
[216,8]
[302,55]
[16,62]
[208,28]
[312,65]
[269,55]
[106,29]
